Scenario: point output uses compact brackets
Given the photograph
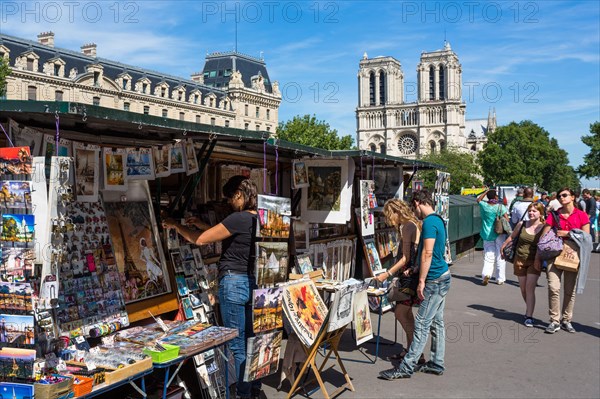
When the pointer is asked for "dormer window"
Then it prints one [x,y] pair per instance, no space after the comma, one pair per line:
[96,78]
[180,96]
[163,92]
[196,98]
[56,69]
[125,83]
[211,102]
[145,88]
[30,62]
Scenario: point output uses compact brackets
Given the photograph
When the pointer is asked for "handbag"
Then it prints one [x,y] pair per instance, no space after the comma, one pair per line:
[568,259]
[404,287]
[501,225]
[509,252]
[550,245]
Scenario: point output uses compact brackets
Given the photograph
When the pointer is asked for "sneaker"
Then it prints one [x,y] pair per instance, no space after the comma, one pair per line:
[528,322]
[486,280]
[431,368]
[552,328]
[566,325]
[393,374]
[500,282]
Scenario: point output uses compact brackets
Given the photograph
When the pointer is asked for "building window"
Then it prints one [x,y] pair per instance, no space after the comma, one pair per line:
[246,109]
[372,88]
[182,116]
[227,72]
[441,84]
[226,123]
[257,128]
[125,81]
[126,106]
[180,96]
[32,93]
[268,128]
[30,64]
[163,92]
[257,115]
[165,113]
[56,69]
[382,148]
[146,110]
[373,147]
[211,102]
[213,121]
[145,88]
[381,88]
[96,78]
[96,101]
[442,145]
[196,99]
[58,95]
[432,147]
[198,120]
[246,126]
[431,83]
[268,114]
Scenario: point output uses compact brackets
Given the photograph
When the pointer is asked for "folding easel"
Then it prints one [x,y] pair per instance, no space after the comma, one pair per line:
[332,339]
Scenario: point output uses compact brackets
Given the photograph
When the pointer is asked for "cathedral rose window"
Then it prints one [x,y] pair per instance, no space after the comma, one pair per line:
[407,144]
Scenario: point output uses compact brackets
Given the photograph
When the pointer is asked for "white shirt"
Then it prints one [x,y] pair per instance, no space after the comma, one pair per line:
[519,209]
[554,205]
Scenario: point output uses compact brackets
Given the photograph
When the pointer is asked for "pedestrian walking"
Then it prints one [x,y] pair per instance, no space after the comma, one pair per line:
[493,264]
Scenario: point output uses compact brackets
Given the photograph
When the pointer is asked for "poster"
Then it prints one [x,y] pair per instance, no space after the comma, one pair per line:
[271,263]
[262,355]
[113,163]
[373,256]
[87,160]
[16,297]
[15,161]
[340,312]
[267,309]
[16,329]
[299,175]
[15,194]
[17,263]
[177,157]
[140,164]
[363,328]
[389,182]
[328,197]
[305,310]
[133,232]
[367,203]
[274,216]
[191,162]
[13,390]
[17,362]
[162,160]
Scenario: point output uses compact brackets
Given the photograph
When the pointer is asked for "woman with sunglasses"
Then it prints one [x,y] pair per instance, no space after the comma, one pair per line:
[570,218]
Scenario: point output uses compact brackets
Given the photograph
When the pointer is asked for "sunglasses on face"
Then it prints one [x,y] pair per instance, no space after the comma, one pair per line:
[564,195]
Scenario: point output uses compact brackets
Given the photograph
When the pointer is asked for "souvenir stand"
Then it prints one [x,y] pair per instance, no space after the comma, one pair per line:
[101,269]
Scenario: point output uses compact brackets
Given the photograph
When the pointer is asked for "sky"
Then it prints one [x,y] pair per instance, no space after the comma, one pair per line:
[535,60]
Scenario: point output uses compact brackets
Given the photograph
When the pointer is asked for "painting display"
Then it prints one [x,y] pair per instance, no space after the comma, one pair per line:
[367,203]
[17,230]
[113,163]
[271,263]
[300,175]
[191,162]
[363,328]
[373,256]
[140,164]
[262,356]
[274,216]
[177,157]
[15,194]
[389,182]
[162,160]
[87,170]
[267,309]
[305,310]
[15,161]
[328,196]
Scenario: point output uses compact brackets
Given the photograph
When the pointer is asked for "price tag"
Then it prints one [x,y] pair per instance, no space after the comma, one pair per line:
[61,366]
[95,350]
[109,340]
[90,365]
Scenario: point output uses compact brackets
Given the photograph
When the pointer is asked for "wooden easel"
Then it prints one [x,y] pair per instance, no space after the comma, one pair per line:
[332,339]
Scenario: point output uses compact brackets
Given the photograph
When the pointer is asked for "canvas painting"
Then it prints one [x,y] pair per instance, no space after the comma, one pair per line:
[262,354]
[267,310]
[16,329]
[16,297]
[367,203]
[140,164]
[162,160]
[177,158]
[300,174]
[15,194]
[271,263]
[373,257]
[304,264]
[23,136]
[389,183]
[13,390]
[87,161]
[274,216]
[191,162]
[17,362]
[305,310]
[328,196]
[17,264]
[138,255]
[15,161]
[18,230]
[363,328]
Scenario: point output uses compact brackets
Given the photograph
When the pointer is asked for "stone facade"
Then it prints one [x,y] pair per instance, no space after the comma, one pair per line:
[42,72]
[386,124]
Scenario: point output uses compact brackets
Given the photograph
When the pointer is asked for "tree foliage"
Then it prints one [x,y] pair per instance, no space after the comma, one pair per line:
[464,170]
[524,153]
[4,72]
[591,161]
[307,130]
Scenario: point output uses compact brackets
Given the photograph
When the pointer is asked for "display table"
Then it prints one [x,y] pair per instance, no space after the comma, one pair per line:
[104,387]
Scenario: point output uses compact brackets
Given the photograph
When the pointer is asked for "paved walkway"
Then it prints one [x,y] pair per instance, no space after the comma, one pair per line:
[489,353]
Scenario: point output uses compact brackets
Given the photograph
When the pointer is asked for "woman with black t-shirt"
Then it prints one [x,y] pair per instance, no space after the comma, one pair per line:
[236,268]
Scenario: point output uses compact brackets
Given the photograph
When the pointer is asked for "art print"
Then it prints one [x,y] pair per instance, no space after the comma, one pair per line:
[23,136]
[328,197]
[113,162]
[162,160]
[16,329]
[363,328]
[177,158]
[13,390]
[15,194]
[139,257]
[186,252]
[15,161]
[16,296]
[274,216]
[17,362]
[301,236]
[87,161]
[191,162]
[192,284]
[267,309]
[177,262]
[389,183]
[140,164]
[305,310]
[50,150]
[182,288]
[172,238]
[189,267]
[367,203]
[198,258]
[304,264]
[271,263]
[17,230]
[341,310]
[17,264]
[262,355]
[187,308]
[299,174]
[195,301]
[372,257]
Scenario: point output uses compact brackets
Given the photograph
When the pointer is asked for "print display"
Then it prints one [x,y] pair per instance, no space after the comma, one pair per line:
[113,162]
[362,318]
[162,160]
[305,310]
[340,313]
[15,161]
[262,356]
[17,230]
[15,194]
[367,203]
[177,158]
[191,162]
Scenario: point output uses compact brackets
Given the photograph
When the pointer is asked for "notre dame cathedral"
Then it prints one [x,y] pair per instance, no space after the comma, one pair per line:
[386,124]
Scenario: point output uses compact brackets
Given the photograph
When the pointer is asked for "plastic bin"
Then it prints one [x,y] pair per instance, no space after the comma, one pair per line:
[82,385]
[171,352]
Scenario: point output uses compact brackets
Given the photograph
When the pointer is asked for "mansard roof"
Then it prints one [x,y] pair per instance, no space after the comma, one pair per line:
[247,65]
[112,69]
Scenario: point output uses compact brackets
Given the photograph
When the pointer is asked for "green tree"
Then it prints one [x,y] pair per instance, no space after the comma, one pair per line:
[464,170]
[591,161]
[524,153]
[4,72]
[307,130]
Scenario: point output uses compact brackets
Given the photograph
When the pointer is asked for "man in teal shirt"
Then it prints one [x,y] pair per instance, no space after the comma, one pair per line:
[434,283]
[492,241]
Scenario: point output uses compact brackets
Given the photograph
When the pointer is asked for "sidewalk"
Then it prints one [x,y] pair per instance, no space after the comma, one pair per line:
[489,353]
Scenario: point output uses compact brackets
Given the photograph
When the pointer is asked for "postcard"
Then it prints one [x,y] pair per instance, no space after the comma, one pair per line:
[15,161]
[271,263]
[191,162]
[192,284]
[17,362]
[181,286]
[373,256]
[16,296]
[274,216]
[187,308]
[18,229]
[15,194]
[140,164]
[177,263]
[17,329]
[267,309]
[15,390]
[260,355]
[17,263]
[189,267]
[304,264]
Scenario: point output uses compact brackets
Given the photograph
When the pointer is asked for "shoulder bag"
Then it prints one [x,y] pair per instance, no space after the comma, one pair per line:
[550,245]
[498,226]
[509,252]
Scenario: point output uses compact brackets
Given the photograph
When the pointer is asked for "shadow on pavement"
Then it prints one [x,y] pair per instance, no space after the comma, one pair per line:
[499,313]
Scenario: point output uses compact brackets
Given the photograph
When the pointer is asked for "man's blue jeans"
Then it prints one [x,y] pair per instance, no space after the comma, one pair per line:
[235,299]
[429,316]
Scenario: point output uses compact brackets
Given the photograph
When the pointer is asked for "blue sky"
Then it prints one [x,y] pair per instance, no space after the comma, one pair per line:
[530,60]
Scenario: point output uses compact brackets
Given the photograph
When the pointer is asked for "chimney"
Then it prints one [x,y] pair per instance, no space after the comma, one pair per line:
[198,77]
[89,49]
[46,38]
